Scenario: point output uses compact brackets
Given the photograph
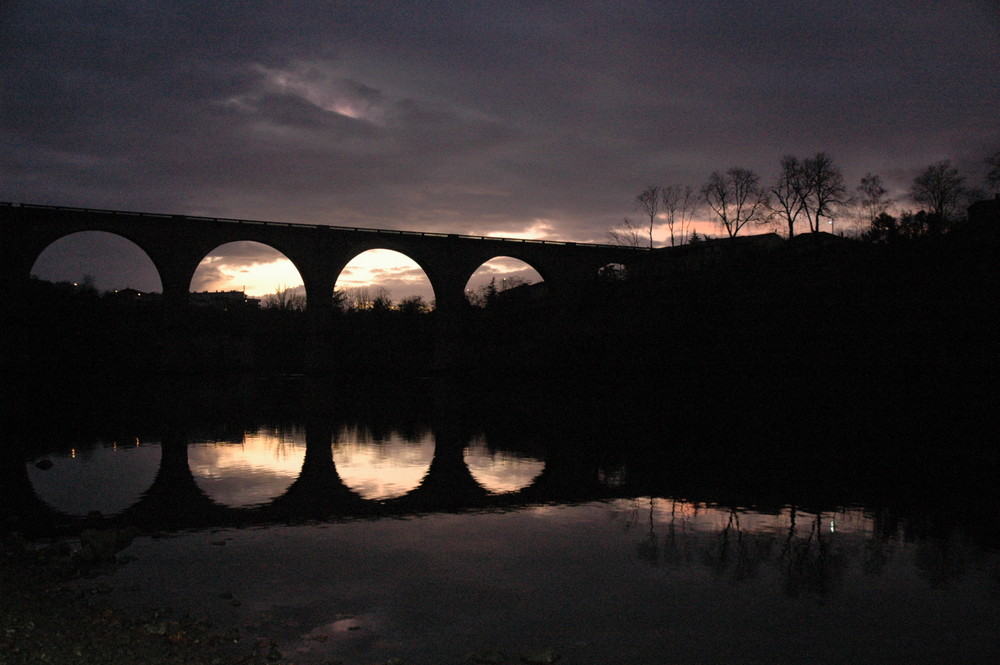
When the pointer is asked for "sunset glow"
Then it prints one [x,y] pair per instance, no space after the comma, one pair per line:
[503,268]
[398,273]
[251,267]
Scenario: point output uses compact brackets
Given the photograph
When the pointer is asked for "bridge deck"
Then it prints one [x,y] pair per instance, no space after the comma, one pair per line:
[333,227]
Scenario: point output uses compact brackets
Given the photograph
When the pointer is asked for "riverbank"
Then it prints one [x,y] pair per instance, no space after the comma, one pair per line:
[51,611]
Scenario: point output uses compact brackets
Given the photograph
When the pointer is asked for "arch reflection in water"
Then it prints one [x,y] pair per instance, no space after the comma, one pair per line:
[249,472]
[501,471]
[382,465]
[107,478]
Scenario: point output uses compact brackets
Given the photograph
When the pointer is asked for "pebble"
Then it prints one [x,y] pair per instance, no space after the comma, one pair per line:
[156,628]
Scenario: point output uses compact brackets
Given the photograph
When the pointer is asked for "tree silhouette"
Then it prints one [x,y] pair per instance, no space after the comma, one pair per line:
[625,234]
[367,298]
[939,187]
[788,192]
[679,205]
[413,305]
[489,294]
[285,299]
[737,198]
[648,201]
[824,191]
[873,200]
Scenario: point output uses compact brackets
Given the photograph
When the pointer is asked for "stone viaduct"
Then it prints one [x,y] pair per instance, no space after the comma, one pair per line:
[176,244]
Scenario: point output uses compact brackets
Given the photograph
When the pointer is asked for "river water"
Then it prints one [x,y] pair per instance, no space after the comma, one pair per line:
[364,525]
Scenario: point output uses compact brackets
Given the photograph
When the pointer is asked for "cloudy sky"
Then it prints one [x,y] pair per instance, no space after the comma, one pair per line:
[539,119]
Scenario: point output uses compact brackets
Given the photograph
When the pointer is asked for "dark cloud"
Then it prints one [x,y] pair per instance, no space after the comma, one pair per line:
[207,278]
[475,117]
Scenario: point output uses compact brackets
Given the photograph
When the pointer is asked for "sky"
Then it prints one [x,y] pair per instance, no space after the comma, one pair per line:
[525,119]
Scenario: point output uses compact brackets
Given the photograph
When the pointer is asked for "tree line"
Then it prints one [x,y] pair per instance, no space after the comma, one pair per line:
[369,298]
[375,298]
[806,193]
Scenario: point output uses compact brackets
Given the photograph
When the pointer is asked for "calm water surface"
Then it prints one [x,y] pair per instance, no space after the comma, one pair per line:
[348,541]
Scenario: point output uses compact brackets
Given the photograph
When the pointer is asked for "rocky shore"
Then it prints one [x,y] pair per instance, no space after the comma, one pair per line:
[51,611]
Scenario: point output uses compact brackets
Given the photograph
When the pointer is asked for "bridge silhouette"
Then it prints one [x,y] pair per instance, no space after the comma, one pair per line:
[176,244]
[174,501]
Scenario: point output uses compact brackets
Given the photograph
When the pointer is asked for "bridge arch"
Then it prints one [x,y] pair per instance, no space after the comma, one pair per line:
[71,257]
[499,274]
[264,266]
[396,271]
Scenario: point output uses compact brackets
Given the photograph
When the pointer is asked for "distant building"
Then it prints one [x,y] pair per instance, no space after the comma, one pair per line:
[226,301]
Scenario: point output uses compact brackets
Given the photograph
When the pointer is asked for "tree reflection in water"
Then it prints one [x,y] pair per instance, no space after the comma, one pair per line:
[810,552]
[810,562]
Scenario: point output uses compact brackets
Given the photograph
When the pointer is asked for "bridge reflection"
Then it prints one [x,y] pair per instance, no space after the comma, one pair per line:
[733,537]
[175,500]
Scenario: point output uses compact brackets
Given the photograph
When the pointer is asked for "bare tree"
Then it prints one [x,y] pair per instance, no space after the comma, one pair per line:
[788,194]
[286,299]
[940,187]
[873,197]
[648,201]
[825,190]
[737,198]
[363,298]
[679,205]
[626,234]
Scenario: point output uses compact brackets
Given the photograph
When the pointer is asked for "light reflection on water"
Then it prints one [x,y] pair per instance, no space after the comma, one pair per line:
[632,581]
[501,471]
[107,477]
[628,580]
[248,472]
[381,466]
[262,465]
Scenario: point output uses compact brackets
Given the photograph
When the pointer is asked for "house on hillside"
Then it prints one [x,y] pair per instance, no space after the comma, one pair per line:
[227,301]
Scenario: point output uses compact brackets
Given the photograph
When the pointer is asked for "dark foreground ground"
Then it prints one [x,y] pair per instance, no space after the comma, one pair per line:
[51,612]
